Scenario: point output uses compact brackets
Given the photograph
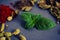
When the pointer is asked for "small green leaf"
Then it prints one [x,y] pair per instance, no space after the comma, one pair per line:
[40,22]
[45,23]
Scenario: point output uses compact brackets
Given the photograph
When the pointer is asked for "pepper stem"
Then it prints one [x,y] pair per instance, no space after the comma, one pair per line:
[16,11]
[2,27]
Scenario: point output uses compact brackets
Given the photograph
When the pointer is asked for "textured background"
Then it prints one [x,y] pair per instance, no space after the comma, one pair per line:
[33,34]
